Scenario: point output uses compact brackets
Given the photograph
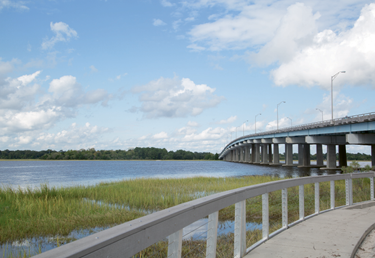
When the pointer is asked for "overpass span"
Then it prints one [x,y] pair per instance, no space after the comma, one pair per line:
[263,148]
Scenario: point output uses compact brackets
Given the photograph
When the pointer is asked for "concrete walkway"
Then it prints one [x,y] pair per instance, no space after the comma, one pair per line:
[331,234]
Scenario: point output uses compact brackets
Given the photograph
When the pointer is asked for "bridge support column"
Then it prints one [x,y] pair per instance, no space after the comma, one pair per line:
[288,155]
[342,156]
[241,155]
[276,157]
[264,154]
[270,157]
[319,155]
[373,155]
[300,154]
[258,153]
[250,153]
[306,160]
[331,156]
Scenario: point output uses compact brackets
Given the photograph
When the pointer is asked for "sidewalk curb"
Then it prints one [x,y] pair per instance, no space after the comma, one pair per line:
[361,240]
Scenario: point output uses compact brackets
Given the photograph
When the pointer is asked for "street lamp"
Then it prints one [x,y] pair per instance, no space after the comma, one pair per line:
[256,122]
[332,78]
[291,123]
[243,127]
[322,113]
[278,113]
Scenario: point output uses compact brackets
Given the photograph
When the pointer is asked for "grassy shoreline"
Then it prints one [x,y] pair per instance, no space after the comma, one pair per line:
[51,211]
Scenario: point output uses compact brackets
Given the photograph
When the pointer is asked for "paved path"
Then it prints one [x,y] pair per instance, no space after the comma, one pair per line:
[331,234]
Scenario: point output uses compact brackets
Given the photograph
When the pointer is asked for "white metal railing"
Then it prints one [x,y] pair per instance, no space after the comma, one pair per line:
[134,236]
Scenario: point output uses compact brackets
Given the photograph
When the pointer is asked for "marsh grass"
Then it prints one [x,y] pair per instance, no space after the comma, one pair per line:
[50,211]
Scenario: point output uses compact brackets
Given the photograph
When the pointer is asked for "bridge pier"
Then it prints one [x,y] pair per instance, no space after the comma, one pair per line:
[264,154]
[373,155]
[319,155]
[270,156]
[276,157]
[304,159]
[331,157]
[288,155]
[257,153]
[342,156]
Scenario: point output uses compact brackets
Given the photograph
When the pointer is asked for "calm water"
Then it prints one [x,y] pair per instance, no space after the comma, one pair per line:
[64,173]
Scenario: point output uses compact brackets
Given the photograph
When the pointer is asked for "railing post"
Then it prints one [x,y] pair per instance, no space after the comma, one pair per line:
[213,219]
[240,229]
[301,202]
[349,191]
[284,201]
[372,188]
[332,188]
[175,244]
[265,216]
[317,198]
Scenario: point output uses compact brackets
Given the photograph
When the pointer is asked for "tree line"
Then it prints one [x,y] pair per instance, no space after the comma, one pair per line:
[136,154]
[92,154]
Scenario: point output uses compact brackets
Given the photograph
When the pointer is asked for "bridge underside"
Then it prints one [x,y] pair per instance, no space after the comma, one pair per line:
[266,150]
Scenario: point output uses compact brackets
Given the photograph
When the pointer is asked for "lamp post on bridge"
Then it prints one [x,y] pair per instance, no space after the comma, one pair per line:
[256,122]
[322,113]
[291,123]
[332,78]
[278,113]
[243,127]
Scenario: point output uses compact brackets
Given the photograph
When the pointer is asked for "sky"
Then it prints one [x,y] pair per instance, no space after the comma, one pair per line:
[190,74]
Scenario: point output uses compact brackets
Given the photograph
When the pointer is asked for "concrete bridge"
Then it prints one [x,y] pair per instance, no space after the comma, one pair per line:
[263,148]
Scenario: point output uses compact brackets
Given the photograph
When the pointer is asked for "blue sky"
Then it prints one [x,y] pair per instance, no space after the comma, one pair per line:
[177,74]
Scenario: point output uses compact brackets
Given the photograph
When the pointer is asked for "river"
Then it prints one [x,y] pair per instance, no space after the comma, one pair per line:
[65,173]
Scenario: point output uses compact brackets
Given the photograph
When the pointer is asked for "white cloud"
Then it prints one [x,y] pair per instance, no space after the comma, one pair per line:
[13,4]
[351,50]
[167,97]
[228,121]
[6,67]
[161,135]
[297,30]
[254,25]
[75,137]
[208,134]
[166,3]
[176,24]
[62,33]
[25,107]
[192,124]
[195,47]
[186,130]
[158,22]
[243,24]
[93,69]
[67,92]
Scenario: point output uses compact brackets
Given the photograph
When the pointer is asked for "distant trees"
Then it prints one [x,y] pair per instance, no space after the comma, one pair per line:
[92,154]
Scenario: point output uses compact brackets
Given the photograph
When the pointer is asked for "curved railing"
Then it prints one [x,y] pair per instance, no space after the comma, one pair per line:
[134,236]
[325,123]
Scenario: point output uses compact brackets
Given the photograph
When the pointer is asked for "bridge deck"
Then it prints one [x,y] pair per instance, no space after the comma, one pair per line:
[331,234]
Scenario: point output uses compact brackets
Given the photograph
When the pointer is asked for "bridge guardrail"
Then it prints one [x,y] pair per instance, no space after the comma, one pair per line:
[134,236]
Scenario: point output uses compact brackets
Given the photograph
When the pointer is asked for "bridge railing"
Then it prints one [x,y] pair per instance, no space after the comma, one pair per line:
[336,121]
[130,238]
